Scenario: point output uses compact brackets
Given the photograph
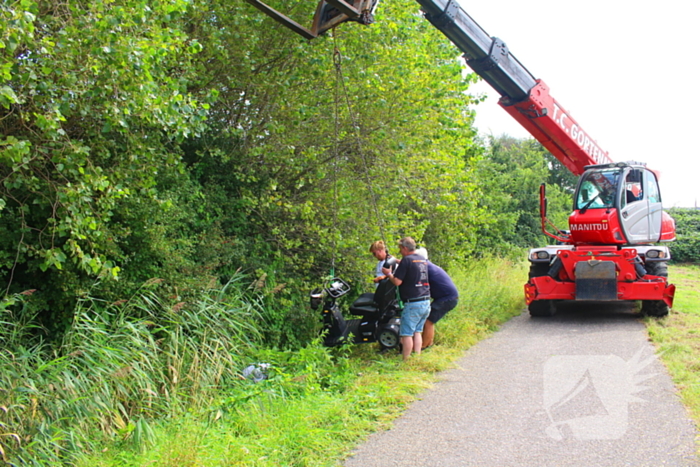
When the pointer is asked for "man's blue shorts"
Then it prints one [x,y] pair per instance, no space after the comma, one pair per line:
[413,317]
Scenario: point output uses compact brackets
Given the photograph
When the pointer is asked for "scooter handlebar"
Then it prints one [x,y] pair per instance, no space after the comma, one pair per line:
[337,287]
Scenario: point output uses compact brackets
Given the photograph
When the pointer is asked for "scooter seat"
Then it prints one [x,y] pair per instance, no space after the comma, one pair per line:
[366,299]
[372,305]
[367,311]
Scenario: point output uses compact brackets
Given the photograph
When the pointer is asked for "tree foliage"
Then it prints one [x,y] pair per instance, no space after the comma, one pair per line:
[188,140]
[94,103]
[511,172]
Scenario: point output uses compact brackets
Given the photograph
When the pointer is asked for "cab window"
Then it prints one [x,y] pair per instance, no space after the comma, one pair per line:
[597,190]
[633,186]
[654,194]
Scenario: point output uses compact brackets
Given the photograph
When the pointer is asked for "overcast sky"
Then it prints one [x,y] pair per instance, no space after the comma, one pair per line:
[627,71]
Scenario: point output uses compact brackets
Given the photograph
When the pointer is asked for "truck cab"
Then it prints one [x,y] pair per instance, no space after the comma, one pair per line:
[618,204]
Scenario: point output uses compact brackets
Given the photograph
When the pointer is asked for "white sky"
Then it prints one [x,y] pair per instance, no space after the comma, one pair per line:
[627,71]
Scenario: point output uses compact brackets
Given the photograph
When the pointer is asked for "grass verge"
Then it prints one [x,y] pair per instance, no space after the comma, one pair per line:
[676,336]
[319,403]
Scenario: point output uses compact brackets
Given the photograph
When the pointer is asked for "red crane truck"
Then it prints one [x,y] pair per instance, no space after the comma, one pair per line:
[612,249]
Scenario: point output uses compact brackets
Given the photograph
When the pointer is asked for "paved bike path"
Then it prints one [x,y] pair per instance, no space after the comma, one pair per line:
[583,388]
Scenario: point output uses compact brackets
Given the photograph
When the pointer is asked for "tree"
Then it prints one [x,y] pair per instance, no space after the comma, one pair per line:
[336,142]
[187,140]
[512,171]
[92,103]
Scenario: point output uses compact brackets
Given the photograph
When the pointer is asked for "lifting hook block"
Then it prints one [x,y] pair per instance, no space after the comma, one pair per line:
[329,14]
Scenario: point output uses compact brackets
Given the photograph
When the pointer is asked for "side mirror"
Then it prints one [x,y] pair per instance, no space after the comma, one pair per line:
[563,237]
[543,201]
[315,298]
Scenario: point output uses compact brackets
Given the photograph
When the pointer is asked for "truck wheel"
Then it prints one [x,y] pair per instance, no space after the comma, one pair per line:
[655,308]
[542,308]
[388,339]
[657,268]
[538,270]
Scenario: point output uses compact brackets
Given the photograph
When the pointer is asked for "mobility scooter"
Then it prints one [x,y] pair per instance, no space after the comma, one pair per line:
[379,315]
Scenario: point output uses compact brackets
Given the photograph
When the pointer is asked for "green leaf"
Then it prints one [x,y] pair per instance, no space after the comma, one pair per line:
[7,96]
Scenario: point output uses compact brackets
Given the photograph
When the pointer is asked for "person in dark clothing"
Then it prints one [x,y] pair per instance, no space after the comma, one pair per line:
[445,297]
[411,277]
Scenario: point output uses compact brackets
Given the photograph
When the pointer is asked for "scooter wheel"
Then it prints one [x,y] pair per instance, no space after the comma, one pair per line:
[388,339]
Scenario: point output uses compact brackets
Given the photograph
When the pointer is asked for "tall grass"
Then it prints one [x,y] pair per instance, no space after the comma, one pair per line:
[120,367]
[490,292]
[318,403]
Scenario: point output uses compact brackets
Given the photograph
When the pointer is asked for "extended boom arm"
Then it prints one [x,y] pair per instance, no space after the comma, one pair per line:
[525,98]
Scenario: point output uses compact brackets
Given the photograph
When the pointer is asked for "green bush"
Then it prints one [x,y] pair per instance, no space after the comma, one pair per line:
[686,248]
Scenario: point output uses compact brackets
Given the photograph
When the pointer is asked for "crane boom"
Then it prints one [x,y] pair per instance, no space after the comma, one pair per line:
[524,97]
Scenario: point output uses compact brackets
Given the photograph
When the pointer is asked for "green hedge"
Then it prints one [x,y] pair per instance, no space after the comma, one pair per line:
[686,248]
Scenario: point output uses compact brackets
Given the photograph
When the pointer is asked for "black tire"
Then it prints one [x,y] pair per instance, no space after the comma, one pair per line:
[388,339]
[654,308]
[542,308]
[657,268]
[538,270]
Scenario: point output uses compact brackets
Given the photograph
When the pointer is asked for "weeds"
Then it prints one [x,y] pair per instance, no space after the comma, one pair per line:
[144,383]
[317,403]
[119,368]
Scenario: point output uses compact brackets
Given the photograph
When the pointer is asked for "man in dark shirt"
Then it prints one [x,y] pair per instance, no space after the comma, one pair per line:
[411,277]
[444,295]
